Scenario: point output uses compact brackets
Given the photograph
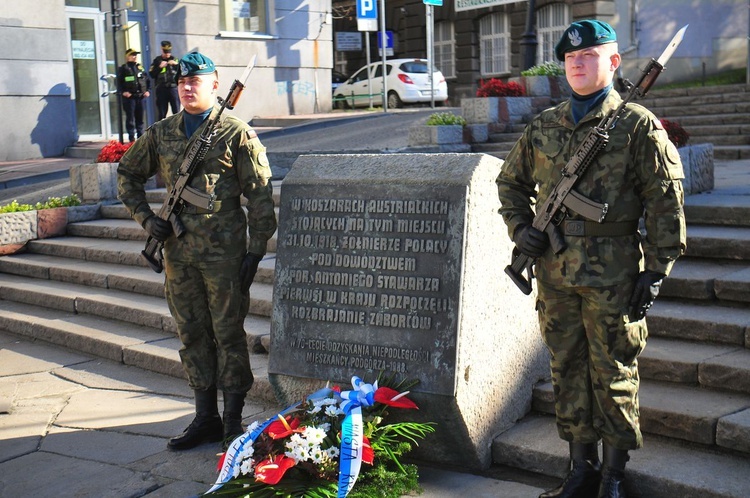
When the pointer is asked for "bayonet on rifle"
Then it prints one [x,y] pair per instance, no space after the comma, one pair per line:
[562,198]
[181,192]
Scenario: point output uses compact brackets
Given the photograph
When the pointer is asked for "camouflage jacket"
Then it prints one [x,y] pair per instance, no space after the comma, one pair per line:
[637,174]
[235,164]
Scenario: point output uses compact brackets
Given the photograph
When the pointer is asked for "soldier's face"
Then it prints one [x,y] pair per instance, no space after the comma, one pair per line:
[590,69]
[197,92]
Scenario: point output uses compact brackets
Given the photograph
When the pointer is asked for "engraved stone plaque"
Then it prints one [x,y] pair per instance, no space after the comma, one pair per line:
[394,263]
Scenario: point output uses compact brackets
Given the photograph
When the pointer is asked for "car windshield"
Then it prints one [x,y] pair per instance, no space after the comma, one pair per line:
[414,67]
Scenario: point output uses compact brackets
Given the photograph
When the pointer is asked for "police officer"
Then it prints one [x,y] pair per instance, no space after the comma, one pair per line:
[163,71]
[134,86]
[594,295]
[208,269]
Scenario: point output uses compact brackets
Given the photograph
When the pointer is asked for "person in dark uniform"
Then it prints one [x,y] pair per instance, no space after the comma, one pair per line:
[163,71]
[134,86]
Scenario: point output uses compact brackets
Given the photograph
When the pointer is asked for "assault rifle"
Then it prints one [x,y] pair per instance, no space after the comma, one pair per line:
[563,198]
[181,192]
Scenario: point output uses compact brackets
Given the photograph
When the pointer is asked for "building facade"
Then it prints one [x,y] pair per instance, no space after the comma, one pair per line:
[480,39]
[61,54]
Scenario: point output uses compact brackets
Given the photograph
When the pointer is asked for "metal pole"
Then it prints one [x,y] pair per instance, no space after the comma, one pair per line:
[115,15]
[369,73]
[528,41]
[747,75]
[383,43]
[431,52]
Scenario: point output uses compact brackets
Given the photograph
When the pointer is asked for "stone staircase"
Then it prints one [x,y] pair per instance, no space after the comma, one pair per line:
[717,114]
[695,371]
[92,292]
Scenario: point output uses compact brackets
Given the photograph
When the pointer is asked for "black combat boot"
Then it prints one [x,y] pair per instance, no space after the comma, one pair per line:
[583,479]
[233,404]
[206,427]
[613,473]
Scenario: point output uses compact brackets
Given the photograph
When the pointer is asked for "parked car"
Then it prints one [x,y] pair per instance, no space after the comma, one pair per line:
[407,79]
[337,78]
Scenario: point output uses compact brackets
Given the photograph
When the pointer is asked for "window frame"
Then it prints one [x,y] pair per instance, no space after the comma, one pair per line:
[551,20]
[494,29]
[440,42]
[267,33]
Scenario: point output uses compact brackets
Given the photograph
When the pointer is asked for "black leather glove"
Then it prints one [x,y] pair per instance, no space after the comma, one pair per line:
[646,289]
[530,241]
[157,228]
[248,270]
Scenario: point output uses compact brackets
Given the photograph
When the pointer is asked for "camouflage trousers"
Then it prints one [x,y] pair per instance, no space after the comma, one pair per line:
[594,349]
[209,309]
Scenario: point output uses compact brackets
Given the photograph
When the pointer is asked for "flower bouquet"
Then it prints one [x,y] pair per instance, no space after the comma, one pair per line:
[320,447]
[112,152]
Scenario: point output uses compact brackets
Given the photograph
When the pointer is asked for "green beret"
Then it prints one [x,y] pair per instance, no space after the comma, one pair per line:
[584,34]
[196,63]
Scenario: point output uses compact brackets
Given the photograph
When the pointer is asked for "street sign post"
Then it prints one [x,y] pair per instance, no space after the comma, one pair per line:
[367,15]
[388,43]
[429,14]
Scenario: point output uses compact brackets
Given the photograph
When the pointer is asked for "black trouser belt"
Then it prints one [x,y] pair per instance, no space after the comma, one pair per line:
[584,228]
[222,205]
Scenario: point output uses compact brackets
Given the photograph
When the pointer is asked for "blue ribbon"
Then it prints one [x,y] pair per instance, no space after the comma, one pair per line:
[352,432]
[232,460]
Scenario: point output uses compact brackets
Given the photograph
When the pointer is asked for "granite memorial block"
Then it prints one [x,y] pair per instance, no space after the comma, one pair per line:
[394,264]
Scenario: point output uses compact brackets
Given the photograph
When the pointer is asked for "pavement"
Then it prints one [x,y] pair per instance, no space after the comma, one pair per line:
[73,425]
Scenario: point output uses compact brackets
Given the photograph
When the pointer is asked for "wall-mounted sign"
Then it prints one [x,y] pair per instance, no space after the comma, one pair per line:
[478,4]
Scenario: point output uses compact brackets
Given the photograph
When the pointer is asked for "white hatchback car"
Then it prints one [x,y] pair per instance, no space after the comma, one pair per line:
[407,79]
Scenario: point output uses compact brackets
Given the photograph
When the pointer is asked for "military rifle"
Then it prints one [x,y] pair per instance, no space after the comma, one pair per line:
[563,198]
[181,192]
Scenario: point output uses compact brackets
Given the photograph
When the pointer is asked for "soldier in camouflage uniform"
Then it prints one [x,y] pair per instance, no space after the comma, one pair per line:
[209,269]
[594,295]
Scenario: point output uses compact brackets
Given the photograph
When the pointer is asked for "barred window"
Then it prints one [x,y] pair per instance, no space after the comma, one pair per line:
[551,21]
[445,49]
[494,44]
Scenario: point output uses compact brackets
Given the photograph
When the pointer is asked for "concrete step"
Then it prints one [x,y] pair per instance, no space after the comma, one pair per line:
[699,321]
[718,420]
[699,120]
[708,241]
[130,307]
[712,366]
[718,209]
[731,153]
[137,345]
[660,93]
[708,280]
[661,469]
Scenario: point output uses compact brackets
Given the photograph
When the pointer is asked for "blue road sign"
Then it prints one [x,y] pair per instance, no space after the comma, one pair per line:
[436,3]
[388,39]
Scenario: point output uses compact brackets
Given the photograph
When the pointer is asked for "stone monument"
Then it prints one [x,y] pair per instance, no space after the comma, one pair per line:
[394,263]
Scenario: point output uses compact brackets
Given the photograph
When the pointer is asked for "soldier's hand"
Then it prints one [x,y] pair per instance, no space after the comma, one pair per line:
[647,286]
[530,241]
[248,270]
[157,228]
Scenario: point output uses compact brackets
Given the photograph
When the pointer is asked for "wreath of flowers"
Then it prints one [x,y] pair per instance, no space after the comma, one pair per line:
[321,447]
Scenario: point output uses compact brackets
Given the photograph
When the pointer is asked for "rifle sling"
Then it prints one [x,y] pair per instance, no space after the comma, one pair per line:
[584,228]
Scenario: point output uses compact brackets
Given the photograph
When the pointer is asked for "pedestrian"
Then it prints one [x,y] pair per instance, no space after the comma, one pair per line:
[593,296]
[163,71]
[210,268]
[134,86]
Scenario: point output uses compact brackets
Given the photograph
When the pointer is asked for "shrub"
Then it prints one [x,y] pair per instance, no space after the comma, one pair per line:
[445,118]
[112,152]
[549,68]
[51,202]
[677,134]
[494,87]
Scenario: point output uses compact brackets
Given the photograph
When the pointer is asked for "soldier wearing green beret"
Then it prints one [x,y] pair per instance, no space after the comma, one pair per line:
[593,296]
[210,268]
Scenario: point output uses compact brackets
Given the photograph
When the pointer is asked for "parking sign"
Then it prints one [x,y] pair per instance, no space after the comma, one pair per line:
[367,15]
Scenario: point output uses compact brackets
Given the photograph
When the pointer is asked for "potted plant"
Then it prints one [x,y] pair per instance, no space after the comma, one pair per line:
[440,128]
[20,222]
[544,80]
[497,102]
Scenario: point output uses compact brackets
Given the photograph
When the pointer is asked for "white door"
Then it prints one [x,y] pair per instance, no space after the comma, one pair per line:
[88,57]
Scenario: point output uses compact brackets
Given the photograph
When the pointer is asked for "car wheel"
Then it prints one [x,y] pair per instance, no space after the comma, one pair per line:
[394,101]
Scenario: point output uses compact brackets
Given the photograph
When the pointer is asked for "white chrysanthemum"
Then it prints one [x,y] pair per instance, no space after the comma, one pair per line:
[246,452]
[314,435]
[298,453]
[318,455]
[315,409]
[326,427]
[247,466]
[332,452]
[332,411]
[253,426]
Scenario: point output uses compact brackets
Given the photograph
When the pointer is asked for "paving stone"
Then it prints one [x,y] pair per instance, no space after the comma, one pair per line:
[98,445]
[733,431]
[675,360]
[728,371]
[734,286]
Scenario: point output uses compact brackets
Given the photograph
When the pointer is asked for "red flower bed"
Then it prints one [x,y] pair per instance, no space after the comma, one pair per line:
[497,88]
[112,152]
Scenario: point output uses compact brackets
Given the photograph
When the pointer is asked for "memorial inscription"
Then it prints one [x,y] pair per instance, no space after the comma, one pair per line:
[368,280]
